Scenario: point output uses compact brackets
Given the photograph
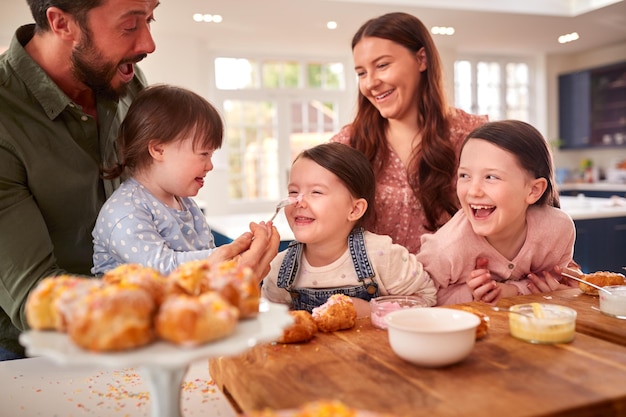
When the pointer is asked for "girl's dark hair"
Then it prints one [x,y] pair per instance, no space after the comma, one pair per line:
[529,147]
[350,166]
[167,114]
[77,8]
[432,165]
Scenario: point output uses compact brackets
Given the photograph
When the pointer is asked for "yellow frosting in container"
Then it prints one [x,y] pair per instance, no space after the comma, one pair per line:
[543,323]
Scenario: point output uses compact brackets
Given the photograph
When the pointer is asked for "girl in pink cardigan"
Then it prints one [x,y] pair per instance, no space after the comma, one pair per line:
[509,229]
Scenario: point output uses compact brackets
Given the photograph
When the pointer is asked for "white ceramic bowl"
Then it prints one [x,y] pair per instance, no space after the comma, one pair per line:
[614,304]
[432,337]
[383,305]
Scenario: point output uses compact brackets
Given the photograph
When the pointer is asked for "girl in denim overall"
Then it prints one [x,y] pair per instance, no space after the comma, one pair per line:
[334,185]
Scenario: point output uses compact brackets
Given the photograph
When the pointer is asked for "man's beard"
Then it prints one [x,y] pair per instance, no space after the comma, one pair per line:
[91,68]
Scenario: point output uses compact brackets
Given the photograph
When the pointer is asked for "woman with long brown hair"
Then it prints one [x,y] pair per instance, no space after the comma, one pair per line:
[405,128]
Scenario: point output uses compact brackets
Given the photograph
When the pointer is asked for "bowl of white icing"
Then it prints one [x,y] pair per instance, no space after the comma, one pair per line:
[613,304]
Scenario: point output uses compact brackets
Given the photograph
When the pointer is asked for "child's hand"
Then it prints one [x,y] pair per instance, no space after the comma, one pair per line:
[482,286]
[263,248]
[548,281]
[254,249]
[573,267]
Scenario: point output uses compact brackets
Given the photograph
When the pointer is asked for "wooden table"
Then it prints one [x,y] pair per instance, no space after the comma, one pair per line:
[502,377]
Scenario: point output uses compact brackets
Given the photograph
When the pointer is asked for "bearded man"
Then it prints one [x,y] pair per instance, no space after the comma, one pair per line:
[66,83]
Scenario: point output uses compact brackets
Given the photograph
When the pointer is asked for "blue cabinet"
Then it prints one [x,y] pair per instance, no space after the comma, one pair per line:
[575,109]
[601,244]
[592,107]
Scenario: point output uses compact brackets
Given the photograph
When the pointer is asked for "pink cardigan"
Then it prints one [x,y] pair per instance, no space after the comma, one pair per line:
[450,254]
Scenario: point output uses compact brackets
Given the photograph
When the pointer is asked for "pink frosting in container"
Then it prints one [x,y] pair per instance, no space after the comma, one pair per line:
[381,306]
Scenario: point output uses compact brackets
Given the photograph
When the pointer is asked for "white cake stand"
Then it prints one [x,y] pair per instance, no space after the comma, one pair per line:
[162,364]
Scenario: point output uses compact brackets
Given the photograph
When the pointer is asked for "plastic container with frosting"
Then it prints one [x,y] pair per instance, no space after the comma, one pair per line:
[543,323]
[614,304]
[383,305]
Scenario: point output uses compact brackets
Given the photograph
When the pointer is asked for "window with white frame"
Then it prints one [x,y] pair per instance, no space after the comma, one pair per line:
[499,88]
[273,109]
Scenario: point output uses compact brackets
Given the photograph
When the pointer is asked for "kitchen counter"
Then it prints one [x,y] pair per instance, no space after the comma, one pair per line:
[600,231]
[583,208]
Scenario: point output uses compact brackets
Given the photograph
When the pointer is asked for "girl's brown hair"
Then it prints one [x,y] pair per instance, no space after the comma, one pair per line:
[350,166]
[528,146]
[164,113]
[432,165]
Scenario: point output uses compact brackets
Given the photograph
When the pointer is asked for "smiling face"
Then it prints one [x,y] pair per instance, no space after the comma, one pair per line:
[177,169]
[495,191]
[327,211]
[389,75]
[116,37]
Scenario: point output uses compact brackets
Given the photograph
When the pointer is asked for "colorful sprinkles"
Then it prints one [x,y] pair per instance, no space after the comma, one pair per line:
[113,393]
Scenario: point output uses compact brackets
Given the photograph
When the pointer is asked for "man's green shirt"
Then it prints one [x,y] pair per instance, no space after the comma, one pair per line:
[50,185]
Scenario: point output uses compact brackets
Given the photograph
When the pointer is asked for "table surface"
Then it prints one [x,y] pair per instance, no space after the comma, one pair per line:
[40,387]
[502,376]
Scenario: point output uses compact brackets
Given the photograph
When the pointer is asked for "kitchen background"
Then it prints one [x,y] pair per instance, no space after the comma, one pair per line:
[293,34]
[283,80]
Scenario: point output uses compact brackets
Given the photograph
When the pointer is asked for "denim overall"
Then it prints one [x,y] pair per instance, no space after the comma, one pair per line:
[309,298]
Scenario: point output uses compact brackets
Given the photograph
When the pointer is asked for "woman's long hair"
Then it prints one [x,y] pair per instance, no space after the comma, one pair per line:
[432,165]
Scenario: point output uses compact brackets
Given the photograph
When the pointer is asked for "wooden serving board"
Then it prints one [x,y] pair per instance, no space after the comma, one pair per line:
[503,376]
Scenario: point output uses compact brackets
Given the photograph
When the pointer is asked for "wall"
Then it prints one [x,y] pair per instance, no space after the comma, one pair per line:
[555,65]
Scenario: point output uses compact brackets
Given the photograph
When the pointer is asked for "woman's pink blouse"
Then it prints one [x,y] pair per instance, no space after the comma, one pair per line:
[399,213]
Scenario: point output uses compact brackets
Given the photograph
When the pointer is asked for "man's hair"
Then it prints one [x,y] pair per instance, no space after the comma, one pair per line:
[77,8]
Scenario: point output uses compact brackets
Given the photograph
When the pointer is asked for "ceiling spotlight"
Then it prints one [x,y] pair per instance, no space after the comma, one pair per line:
[331,25]
[442,30]
[209,18]
[569,37]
